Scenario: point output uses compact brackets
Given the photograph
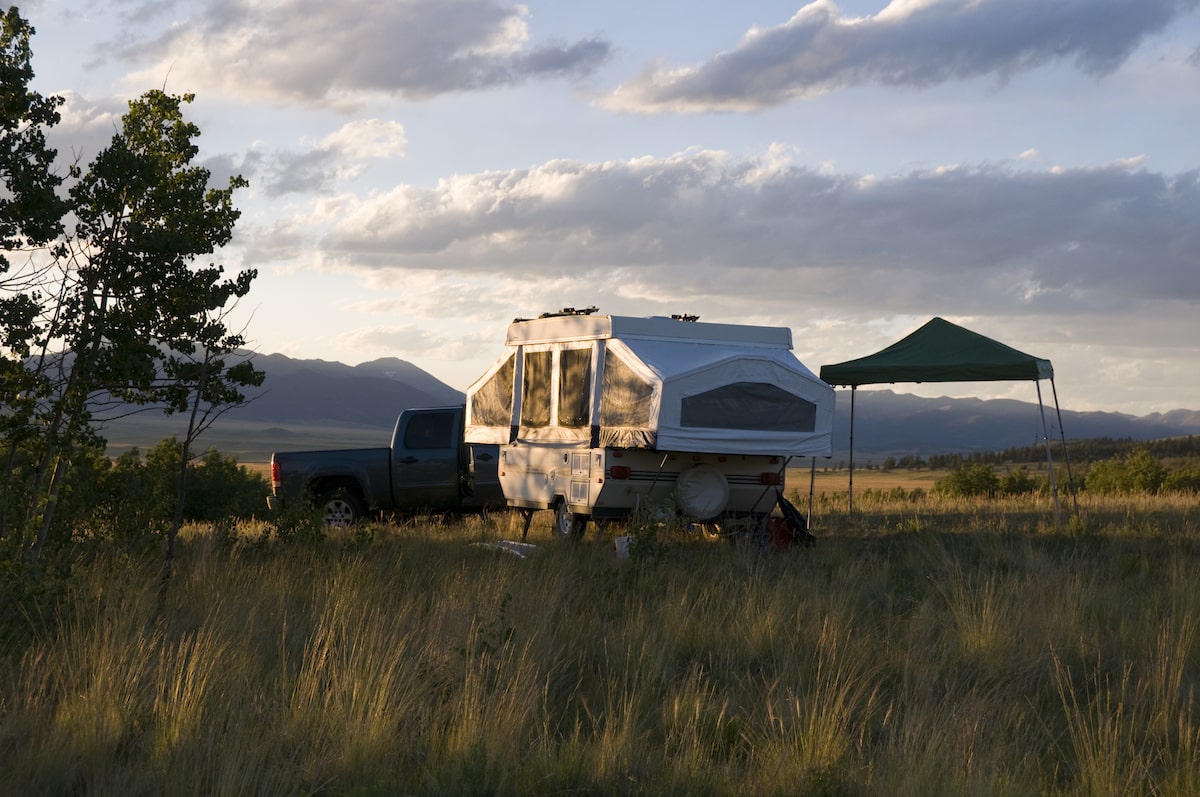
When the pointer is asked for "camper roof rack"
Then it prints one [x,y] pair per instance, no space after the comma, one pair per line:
[566,311]
[569,311]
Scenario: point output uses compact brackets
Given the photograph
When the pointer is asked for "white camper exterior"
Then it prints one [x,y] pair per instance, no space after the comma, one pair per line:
[597,416]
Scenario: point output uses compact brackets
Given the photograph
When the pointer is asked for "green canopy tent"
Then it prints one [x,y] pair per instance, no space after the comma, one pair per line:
[941,351]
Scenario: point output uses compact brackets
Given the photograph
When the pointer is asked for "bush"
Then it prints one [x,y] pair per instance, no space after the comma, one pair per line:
[1019,482]
[1137,471]
[134,497]
[139,494]
[969,481]
[218,487]
[1183,480]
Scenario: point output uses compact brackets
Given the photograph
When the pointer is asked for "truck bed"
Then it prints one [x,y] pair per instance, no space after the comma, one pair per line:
[369,467]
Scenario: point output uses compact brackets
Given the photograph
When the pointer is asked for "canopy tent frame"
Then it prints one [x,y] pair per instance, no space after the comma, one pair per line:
[940,351]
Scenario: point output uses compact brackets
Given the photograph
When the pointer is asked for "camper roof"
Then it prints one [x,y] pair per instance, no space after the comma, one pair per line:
[592,327]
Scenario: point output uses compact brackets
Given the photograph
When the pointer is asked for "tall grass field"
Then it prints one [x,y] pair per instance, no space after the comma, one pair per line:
[920,647]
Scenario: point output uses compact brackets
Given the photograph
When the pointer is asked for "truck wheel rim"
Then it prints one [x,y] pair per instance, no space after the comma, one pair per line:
[338,513]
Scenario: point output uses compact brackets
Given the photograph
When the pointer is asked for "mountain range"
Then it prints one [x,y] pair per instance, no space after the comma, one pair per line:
[322,404]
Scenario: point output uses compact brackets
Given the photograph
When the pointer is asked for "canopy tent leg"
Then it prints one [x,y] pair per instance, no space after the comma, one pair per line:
[1049,456]
[853,391]
[812,488]
[1066,454]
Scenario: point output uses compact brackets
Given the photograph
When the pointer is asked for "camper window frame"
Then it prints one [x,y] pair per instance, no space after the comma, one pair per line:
[531,354]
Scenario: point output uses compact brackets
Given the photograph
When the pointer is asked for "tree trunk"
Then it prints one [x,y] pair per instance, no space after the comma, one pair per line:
[181,485]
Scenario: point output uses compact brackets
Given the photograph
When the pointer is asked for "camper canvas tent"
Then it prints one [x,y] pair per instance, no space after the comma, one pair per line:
[652,383]
[941,351]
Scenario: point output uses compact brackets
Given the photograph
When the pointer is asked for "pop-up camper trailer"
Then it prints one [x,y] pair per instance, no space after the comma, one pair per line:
[597,416]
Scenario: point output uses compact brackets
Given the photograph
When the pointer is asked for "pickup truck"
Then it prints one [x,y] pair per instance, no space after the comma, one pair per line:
[428,467]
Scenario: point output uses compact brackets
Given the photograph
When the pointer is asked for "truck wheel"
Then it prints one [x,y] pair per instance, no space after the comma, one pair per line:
[340,508]
[567,523]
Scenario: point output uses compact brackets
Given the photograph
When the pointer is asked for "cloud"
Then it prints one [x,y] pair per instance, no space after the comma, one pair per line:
[340,156]
[913,43]
[400,340]
[702,223]
[340,54]
[85,127]
[368,138]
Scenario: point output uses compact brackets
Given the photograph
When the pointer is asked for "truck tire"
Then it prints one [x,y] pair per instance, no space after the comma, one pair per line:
[568,524]
[340,508]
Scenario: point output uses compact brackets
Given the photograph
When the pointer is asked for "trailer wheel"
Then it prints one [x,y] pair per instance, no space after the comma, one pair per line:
[567,523]
[340,508]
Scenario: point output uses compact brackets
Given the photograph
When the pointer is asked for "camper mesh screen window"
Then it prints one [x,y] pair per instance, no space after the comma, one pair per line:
[749,405]
[574,387]
[535,389]
[492,403]
[625,397]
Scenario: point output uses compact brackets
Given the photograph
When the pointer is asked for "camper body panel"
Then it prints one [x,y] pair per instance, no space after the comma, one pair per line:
[606,483]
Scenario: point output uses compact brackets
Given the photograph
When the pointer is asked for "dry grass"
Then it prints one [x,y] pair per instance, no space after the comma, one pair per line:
[838,481]
[930,648]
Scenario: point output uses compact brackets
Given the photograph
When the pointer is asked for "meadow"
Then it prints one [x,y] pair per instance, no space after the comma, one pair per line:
[921,647]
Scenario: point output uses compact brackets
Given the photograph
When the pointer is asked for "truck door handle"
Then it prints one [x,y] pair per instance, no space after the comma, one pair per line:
[408,460]
[484,457]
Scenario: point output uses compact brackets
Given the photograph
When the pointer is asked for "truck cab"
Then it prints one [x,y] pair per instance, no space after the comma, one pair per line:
[426,468]
[431,467]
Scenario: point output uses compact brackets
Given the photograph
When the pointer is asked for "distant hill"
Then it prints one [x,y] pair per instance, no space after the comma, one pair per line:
[315,392]
[889,423]
[320,404]
[301,404]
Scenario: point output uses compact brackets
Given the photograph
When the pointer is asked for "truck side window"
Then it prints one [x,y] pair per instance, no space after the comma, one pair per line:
[430,430]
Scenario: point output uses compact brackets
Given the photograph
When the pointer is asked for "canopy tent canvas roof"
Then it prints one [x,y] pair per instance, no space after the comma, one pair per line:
[656,383]
[939,351]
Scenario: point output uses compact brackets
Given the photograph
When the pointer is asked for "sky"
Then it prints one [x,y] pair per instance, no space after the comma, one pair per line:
[422,172]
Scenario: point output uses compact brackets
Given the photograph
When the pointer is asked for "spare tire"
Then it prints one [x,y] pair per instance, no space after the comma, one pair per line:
[702,492]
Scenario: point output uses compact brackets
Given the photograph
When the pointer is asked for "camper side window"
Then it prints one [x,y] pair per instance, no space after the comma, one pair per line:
[535,391]
[625,397]
[492,403]
[751,406]
[574,387]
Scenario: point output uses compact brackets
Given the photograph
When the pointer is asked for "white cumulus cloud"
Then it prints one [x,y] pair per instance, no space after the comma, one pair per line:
[914,43]
[341,54]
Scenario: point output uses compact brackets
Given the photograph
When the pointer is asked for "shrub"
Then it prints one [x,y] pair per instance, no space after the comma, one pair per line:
[140,493]
[1183,480]
[219,487]
[133,499]
[968,481]
[1018,482]
[1137,471]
